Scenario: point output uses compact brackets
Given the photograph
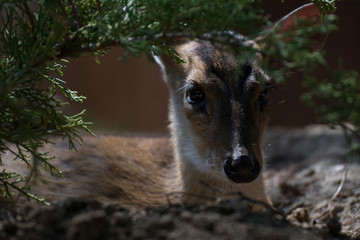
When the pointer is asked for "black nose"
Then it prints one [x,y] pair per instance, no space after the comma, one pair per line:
[242,169]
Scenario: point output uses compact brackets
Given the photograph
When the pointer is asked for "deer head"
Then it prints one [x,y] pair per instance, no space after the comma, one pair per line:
[218,109]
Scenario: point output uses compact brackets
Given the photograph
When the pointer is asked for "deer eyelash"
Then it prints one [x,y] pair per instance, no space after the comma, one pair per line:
[271,86]
[182,89]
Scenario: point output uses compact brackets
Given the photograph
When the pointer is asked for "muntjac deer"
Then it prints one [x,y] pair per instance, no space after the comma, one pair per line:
[217,123]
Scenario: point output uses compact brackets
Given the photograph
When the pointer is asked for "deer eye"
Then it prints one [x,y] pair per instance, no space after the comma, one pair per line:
[194,94]
[263,96]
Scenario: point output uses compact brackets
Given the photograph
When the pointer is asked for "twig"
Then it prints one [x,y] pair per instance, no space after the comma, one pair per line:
[98,4]
[235,193]
[22,190]
[212,187]
[330,207]
[74,8]
[231,38]
[19,155]
[29,14]
[187,194]
[217,190]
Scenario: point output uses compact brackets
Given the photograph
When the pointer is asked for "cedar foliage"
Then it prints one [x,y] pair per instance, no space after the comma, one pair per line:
[37,36]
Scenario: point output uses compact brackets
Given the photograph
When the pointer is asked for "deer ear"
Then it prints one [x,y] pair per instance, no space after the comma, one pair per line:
[172,69]
[308,12]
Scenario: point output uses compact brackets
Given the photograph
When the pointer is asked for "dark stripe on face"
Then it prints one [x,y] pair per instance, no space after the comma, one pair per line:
[205,51]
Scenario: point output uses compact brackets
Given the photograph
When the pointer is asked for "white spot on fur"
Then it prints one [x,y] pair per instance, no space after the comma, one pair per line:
[160,63]
[237,150]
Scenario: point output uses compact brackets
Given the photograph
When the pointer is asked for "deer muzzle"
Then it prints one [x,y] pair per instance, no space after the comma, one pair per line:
[242,169]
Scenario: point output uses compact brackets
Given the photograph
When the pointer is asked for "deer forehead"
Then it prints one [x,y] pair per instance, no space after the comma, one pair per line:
[217,72]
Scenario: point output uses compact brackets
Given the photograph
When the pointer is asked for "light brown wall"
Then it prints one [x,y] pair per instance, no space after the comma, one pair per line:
[127,96]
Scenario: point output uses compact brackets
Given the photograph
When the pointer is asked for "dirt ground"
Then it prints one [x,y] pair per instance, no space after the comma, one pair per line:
[305,169]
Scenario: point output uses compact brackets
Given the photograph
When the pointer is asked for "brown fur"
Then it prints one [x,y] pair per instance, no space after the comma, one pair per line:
[112,169]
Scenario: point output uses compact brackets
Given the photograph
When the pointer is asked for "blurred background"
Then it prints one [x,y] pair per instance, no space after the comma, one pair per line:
[132,97]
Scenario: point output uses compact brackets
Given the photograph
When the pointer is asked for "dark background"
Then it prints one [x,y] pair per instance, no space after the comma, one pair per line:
[131,96]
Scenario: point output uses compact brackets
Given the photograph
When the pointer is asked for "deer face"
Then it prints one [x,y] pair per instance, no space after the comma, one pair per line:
[218,112]
[225,106]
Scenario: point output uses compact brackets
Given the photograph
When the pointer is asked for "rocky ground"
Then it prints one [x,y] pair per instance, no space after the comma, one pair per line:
[313,183]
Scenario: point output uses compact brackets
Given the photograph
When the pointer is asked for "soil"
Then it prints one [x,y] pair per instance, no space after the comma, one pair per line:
[313,182]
